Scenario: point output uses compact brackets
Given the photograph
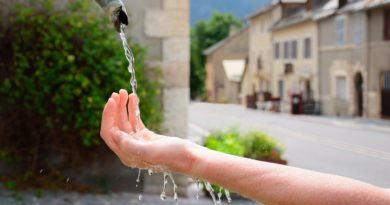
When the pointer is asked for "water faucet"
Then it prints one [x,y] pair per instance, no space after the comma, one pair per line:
[116,11]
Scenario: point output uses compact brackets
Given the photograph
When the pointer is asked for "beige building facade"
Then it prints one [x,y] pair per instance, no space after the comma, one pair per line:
[294,65]
[225,64]
[354,59]
[257,77]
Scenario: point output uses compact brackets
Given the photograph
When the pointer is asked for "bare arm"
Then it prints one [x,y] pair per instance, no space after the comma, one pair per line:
[261,181]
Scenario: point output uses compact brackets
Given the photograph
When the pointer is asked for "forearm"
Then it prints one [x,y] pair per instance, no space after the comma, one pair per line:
[277,184]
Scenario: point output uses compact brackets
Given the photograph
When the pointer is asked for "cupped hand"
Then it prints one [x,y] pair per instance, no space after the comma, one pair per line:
[136,146]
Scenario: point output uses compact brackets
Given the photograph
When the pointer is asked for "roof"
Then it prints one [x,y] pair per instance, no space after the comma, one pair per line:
[293,20]
[221,43]
[271,5]
[331,7]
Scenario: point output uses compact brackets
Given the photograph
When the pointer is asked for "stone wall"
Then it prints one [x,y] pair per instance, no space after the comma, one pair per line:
[163,27]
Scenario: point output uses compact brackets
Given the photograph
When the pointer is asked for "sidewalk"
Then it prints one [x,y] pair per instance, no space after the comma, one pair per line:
[63,198]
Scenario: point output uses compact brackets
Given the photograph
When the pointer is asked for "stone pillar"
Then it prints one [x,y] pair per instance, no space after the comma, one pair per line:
[163,27]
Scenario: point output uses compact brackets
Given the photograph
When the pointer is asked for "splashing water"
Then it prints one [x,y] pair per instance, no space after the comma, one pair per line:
[140,197]
[219,197]
[67,180]
[150,172]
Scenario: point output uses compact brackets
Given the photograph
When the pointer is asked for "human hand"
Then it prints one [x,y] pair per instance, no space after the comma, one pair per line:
[134,144]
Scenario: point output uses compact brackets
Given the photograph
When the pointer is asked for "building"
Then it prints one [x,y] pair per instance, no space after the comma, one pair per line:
[257,77]
[378,75]
[353,58]
[225,64]
[294,64]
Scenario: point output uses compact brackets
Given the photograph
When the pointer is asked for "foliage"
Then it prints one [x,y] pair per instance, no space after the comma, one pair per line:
[204,35]
[58,67]
[259,145]
[254,144]
[226,141]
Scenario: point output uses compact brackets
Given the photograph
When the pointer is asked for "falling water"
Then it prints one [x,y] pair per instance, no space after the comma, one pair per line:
[227,193]
[197,188]
[133,83]
[210,189]
[163,195]
[175,197]
[130,58]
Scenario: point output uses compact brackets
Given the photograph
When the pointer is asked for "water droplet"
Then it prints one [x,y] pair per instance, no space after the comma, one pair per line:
[41,171]
[150,172]
[67,180]
[140,197]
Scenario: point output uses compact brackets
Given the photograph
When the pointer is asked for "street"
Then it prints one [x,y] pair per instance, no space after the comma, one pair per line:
[355,148]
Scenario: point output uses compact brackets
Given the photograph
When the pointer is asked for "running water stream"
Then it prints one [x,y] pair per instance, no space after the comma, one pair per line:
[167,174]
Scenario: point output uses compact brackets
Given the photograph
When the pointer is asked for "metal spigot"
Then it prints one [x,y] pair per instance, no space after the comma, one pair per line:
[116,10]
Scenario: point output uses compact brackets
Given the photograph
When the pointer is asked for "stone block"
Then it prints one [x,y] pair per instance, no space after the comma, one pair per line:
[176,49]
[171,23]
[176,102]
[176,75]
[176,4]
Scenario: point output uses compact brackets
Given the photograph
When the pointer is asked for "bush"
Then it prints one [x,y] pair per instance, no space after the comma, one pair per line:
[259,145]
[254,144]
[57,69]
[226,142]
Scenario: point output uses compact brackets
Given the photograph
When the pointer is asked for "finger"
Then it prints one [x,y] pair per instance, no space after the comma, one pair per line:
[134,113]
[108,127]
[124,123]
[116,97]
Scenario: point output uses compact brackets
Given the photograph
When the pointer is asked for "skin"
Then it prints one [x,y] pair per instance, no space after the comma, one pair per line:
[264,182]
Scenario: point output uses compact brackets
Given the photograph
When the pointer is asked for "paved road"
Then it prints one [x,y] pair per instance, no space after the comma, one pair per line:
[354,148]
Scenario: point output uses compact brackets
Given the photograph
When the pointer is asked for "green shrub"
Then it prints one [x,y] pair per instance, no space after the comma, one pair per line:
[226,142]
[259,145]
[57,70]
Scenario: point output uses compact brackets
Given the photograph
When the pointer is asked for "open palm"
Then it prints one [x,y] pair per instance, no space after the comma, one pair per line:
[136,146]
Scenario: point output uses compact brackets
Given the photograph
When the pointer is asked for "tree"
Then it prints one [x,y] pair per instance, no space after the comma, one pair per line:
[204,35]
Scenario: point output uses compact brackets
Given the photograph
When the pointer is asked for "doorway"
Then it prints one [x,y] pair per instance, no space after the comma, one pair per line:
[385,94]
[359,94]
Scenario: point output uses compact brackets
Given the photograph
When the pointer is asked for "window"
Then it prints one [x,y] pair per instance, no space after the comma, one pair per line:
[307,48]
[281,88]
[276,50]
[358,28]
[294,48]
[387,24]
[341,87]
[285,48]
[340,30]
[290,49]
